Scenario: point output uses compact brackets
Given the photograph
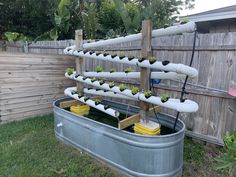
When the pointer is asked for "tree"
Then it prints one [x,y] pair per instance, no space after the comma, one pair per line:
[161,12]
[30,17]
[109,20]
[58,19]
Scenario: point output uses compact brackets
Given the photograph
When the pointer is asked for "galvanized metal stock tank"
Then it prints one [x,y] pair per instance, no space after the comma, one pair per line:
[132,154]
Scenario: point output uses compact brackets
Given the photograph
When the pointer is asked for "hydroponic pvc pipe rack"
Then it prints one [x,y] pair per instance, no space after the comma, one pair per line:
[128,151]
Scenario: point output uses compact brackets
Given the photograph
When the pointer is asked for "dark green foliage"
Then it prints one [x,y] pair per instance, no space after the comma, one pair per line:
[109,19]
[58,19]
[28,17]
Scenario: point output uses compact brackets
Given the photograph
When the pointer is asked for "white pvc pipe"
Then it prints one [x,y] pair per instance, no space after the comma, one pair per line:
[172,67]
[91,103]
[104,86]
[186,106]
[136,75]
[106,94]
[69,50]
[178,29]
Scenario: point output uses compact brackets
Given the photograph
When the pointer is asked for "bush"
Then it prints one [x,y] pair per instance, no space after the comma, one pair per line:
[228,160]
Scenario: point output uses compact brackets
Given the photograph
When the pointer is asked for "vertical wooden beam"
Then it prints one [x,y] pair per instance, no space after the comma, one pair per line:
[146,50]
[79,61]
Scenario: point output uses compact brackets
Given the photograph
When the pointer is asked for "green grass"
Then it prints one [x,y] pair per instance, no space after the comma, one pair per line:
[29,148]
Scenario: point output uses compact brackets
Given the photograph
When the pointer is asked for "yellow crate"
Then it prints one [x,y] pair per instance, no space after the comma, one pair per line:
[149,128]
[80,110]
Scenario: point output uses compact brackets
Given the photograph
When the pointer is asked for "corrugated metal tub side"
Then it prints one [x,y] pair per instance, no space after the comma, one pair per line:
[136,155]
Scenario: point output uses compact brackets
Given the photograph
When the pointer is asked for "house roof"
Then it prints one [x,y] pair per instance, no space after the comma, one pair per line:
[212,15]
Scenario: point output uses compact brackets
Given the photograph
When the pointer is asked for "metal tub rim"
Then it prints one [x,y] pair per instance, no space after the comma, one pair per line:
[179,123]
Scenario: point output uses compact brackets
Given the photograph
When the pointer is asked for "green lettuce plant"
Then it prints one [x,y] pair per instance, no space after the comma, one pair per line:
[111,84]
[93,79]
[122,55]
[152,59]
[134,90]
[98,68]
[148,94]
[122,87]
[164,98]
[129,69]
[131,57]
[140,58]
[97,101]
[101,81]
[69,71]
[112,70]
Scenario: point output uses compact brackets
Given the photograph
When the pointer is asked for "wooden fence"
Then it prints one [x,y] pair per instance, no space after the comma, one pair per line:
[215,58]
[30,82]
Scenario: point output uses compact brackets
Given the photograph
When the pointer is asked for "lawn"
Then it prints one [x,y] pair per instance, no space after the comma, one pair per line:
[29,148]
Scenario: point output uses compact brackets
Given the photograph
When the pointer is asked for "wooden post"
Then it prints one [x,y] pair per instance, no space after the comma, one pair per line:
[79,61]
[145,72]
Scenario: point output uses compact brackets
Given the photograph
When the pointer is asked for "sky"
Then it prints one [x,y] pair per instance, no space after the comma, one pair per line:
[205,5]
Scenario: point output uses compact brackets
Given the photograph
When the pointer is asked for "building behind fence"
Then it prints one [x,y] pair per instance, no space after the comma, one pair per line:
[215,58]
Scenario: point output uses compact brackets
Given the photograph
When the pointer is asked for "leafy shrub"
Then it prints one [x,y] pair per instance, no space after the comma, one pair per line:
[228,160]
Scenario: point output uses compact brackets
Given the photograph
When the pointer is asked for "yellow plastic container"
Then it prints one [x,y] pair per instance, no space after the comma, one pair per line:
[150,128]
[82,110]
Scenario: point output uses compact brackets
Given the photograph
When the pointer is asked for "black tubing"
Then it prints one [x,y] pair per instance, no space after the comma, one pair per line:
[186,78]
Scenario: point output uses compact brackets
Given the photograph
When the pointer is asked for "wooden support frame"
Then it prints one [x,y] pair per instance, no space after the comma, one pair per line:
[79,61]
[146,49]
[67,104]
[136,118]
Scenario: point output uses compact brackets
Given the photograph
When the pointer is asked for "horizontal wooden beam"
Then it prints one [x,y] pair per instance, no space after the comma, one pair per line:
[67,104]
[135,118]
